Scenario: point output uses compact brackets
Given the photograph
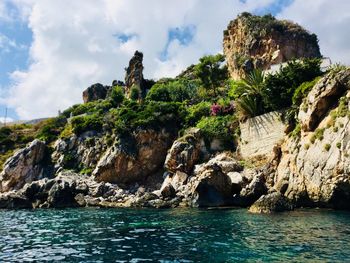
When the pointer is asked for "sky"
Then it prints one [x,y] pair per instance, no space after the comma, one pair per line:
[51,50]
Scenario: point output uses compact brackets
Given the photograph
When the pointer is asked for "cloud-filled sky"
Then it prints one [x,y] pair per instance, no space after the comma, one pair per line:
[50,51]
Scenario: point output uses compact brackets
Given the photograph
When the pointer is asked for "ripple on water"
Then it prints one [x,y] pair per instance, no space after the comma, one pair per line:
[179,235]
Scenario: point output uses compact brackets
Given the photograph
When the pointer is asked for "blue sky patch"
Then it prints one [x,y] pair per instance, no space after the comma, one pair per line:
[183,34]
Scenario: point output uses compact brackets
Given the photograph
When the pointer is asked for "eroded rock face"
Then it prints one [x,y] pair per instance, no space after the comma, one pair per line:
[120,165]
[26,165]
[134,73]
[314,170]
[95,92]
[185,152]
[84,150]
[251,42]
[322,97]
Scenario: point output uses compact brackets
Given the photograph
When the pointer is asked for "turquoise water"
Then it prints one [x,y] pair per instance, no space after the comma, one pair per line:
[178,235]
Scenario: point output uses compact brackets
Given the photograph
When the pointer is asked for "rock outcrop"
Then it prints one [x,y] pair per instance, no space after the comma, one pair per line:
[25,166]
[314,169]
[254,42]
[185,152]
[270,203]
[323,96]
[134,158]
[95,92]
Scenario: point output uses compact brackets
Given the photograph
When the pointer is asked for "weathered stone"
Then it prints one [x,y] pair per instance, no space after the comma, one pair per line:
[184,153]
[149,152]
[314,169]
[26,165]
[14,201]
[95,92]
[273,202]
[323,96]
[249,44]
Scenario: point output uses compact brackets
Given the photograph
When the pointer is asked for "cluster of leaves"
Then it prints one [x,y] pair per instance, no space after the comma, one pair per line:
[257,94]
[280,87]
[177,90]
[219,127]
[49,130]
[148,115]
[81,124]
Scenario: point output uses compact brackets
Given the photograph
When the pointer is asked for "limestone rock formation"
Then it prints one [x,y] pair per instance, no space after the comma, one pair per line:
[135,157]
[134,73]
[95,92]
[258,42]
[26,165]
[185,152]
[322,97]
[314,169]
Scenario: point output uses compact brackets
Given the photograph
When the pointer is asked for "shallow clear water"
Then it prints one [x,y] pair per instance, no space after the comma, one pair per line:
[178,235]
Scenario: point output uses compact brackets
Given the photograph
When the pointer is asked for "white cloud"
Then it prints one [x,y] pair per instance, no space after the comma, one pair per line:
[330,20]
[75,44]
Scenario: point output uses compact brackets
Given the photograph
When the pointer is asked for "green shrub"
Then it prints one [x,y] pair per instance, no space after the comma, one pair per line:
[338,145]
[296,132]
[303,90]
[81,124]
[196,112]
[149,115]
[50,129]
[327,147]
[280,87]
[211,72]
[177,90]
[219,127]
[135,93]
[116,95]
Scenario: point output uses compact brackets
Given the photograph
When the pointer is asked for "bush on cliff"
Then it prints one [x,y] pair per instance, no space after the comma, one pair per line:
[222,128]
[212,72]
[177,90]
[280,87]
[50,129]
[81,124]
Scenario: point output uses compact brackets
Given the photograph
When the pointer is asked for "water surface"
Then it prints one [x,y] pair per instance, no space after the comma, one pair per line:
[177,235]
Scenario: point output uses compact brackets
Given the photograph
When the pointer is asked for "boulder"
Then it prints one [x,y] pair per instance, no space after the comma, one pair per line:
[273,202]
[184,153]
[95,92]
[210,188]
[13,200]
[26,165]
[321,98]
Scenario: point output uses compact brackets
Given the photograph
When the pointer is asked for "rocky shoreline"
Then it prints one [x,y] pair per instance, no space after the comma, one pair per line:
[149,165]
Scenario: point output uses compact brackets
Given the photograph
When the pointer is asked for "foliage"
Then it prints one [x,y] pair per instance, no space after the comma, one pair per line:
[116,95]
[81,124]
[49,129]
[152,114]
[248,94]
[211,72]
[280,87]
[99,107]
[135,93]
[303,90]
[220,127]
[196,112]
[177,90]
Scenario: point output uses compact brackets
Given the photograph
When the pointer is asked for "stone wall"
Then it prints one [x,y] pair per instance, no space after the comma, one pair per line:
[260,134]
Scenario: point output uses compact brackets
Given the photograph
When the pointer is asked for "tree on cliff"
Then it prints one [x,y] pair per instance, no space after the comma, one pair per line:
[211,72]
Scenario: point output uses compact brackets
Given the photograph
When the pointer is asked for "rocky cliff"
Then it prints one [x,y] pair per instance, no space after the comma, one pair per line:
[254,42]
[313,169]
